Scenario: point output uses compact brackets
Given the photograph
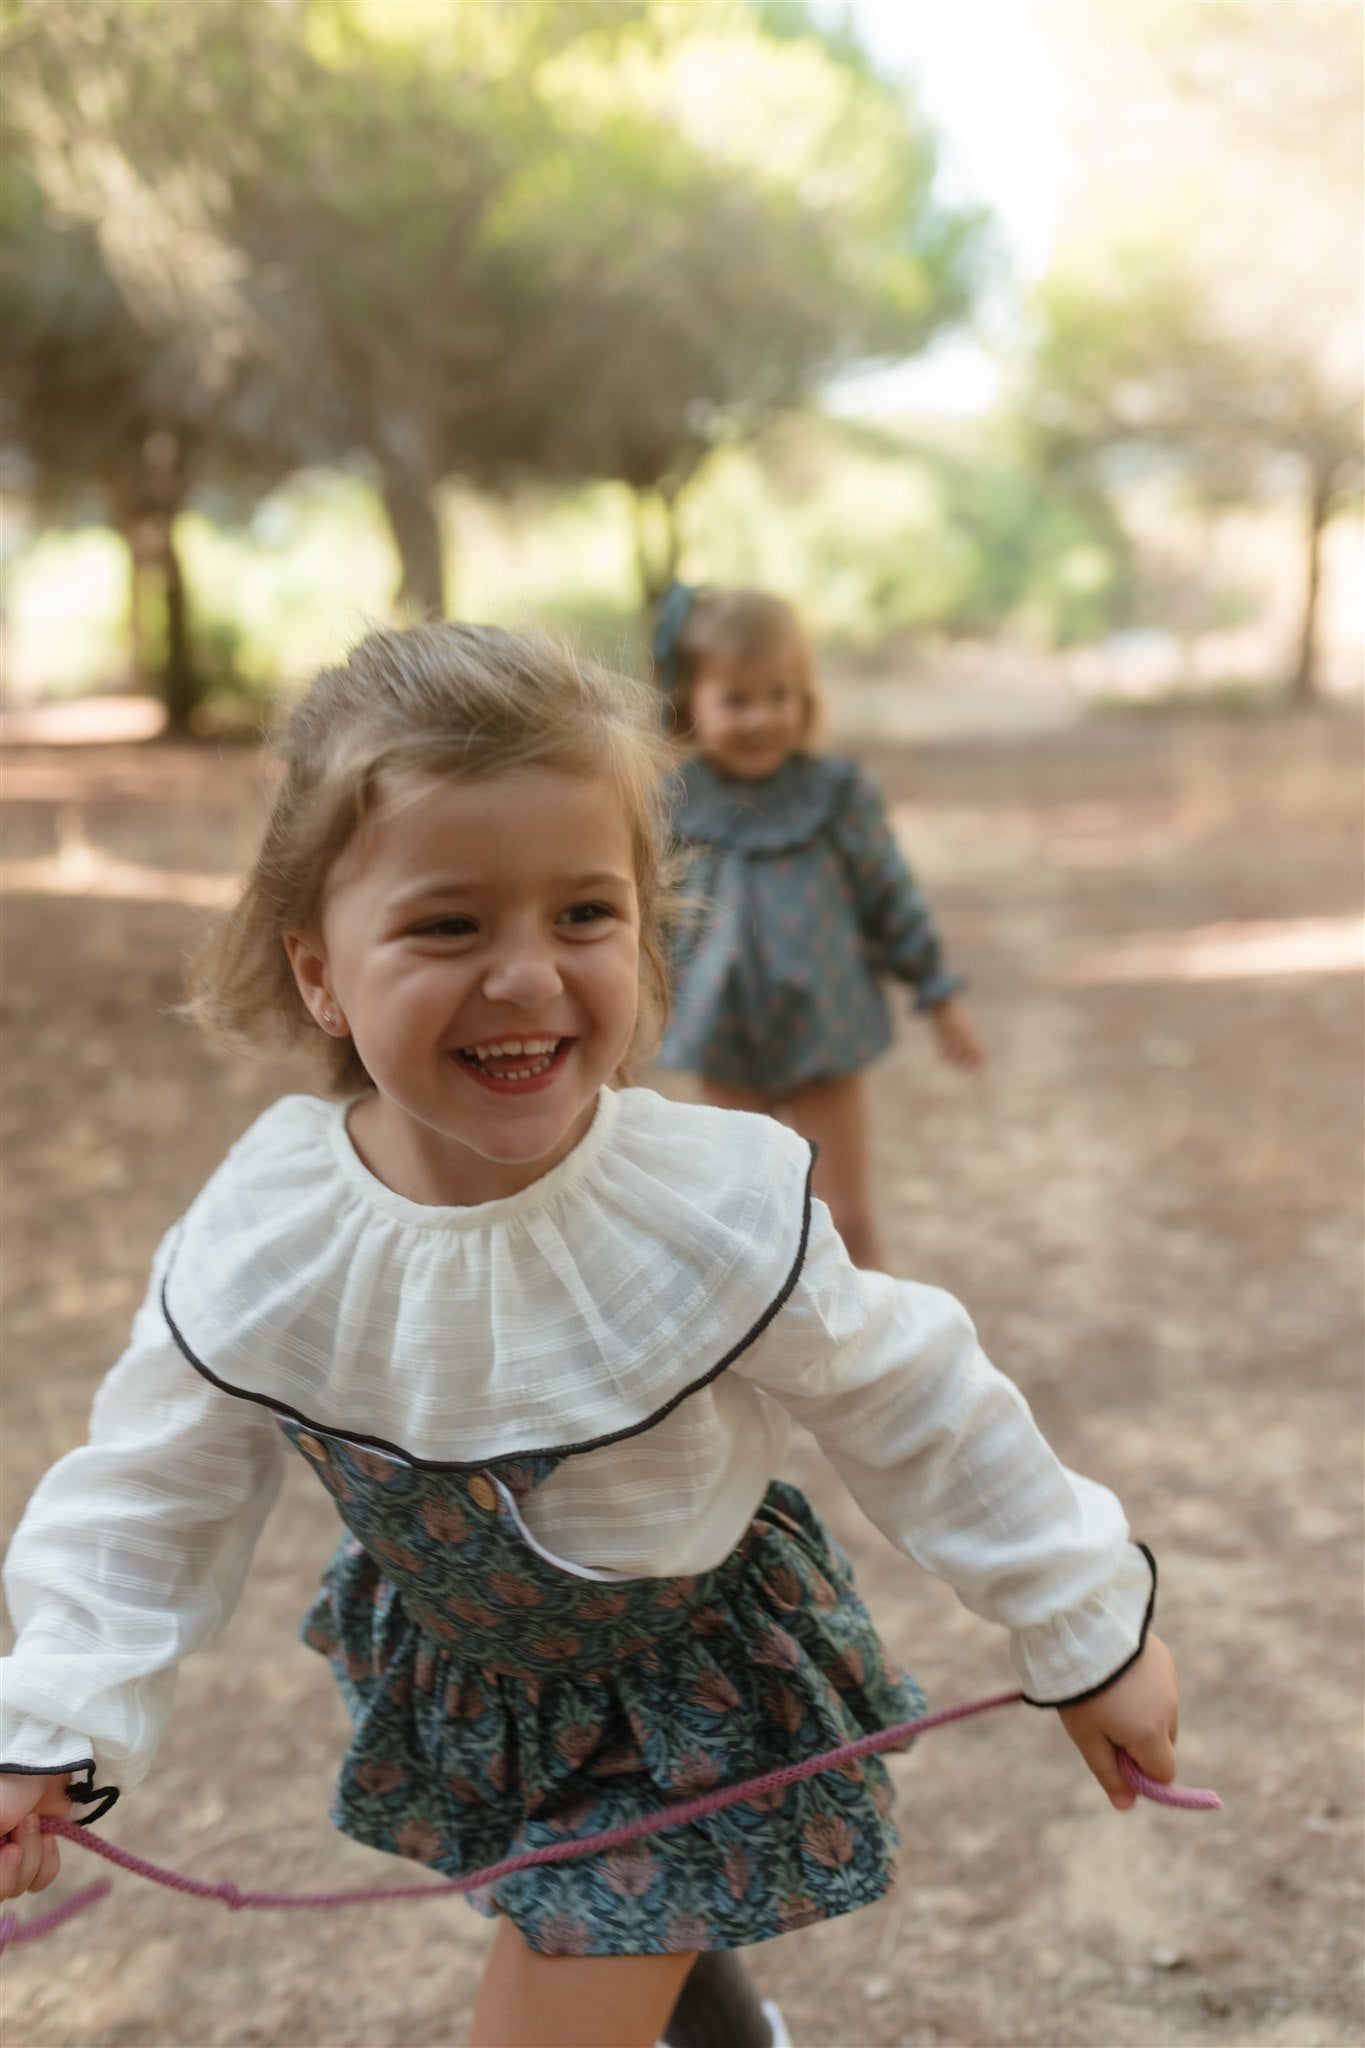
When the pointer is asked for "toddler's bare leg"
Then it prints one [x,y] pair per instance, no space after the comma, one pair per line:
[528,2000]
[728,1095]
[833,1114]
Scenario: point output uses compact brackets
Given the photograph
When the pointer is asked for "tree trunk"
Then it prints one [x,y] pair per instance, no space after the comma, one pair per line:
[141,676]
[416,531]
[1303,688]
[657,542]
[179,681]
[137,620]
[145,493]
[140,536]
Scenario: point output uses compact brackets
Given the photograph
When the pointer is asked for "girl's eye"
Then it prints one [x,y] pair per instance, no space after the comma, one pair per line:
[447,928]
[587,913]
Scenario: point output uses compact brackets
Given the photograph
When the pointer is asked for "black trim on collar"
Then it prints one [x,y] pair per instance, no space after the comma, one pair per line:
[595,1443]
[1078,1699]
[86,1793]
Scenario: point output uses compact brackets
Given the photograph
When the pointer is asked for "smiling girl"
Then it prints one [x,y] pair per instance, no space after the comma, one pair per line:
[806,897]
[539,1334]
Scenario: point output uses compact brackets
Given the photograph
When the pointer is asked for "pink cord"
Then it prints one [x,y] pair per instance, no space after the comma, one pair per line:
[1165,1795]
[13,1929]
[656,1823]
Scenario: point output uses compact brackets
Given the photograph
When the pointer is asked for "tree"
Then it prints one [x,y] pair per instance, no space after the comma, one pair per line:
[1148,361]
[133,356]
[483,241]
[743,210]
[1227,334]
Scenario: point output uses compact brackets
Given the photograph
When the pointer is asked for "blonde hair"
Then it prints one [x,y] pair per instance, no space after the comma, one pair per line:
[736,626]
[438,699]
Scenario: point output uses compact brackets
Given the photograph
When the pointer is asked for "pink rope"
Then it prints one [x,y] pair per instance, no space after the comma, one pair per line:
[1185,1796]
[13,1929]
[681,1815]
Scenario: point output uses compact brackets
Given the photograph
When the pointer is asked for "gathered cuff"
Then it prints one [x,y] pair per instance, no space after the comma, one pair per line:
[1073,1657]
[17,1761]
[938,988]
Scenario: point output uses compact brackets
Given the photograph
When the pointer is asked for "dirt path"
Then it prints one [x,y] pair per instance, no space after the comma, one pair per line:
[1152,1204]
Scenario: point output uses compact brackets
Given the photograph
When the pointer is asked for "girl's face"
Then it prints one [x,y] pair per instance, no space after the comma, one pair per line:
[480,942]
[748,716]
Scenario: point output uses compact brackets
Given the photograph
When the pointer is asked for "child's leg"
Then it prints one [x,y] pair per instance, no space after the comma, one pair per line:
[833,1114]
[729,1095]
[528,2000]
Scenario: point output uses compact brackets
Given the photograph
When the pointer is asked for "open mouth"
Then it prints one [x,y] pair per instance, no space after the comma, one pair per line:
[514,1062]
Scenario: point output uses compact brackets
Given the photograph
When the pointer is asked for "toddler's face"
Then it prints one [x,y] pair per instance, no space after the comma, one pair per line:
[747,717]
[480,942]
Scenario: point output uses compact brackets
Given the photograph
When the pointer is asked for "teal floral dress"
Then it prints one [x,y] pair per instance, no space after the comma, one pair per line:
[500,1701]
[806,902]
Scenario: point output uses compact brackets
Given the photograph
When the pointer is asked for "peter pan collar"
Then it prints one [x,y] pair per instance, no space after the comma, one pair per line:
[559,1319]
[777,813]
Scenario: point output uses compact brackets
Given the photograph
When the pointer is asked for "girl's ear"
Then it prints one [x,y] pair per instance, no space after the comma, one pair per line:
[310,972]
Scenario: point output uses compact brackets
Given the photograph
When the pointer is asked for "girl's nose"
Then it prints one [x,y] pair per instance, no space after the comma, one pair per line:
[523,974]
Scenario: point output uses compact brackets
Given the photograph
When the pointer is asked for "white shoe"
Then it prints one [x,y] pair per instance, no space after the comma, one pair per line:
[777,2026]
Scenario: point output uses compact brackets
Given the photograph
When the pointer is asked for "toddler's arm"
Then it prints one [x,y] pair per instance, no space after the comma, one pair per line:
[892,913]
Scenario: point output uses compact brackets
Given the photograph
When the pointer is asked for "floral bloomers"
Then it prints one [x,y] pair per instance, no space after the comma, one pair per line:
[501,1700]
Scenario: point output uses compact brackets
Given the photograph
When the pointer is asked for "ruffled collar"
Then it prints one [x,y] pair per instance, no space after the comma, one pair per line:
[555,1320]
[778,814]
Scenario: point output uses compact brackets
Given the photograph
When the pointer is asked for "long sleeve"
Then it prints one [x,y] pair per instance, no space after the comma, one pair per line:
[941,1452]
[892,912]
[132,1552]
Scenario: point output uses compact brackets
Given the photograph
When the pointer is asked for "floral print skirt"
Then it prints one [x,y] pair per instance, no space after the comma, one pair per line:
[500,1701]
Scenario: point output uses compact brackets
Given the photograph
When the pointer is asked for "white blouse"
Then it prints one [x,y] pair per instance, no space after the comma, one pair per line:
[655,1308]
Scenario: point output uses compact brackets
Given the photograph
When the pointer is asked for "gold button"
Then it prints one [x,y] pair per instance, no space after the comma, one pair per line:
[483,1493]
[313,1447]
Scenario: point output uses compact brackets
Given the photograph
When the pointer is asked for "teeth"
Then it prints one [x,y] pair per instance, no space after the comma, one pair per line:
[508,1048]
[540,1051]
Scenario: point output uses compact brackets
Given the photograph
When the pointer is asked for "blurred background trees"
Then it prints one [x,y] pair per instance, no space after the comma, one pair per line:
[582,284]
[1206,300]
[488,244]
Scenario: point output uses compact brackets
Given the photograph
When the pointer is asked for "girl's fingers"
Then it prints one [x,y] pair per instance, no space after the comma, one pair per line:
[34,1845]
[50,1864]
[1154,1754]
[1100,1755]
[21,1858]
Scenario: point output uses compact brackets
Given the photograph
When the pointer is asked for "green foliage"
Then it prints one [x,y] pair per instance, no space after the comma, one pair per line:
[753,216]
[876,534]
[479,241]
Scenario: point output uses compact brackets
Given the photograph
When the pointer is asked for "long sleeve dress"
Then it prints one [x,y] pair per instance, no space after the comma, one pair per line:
[570,1587]
[804,903]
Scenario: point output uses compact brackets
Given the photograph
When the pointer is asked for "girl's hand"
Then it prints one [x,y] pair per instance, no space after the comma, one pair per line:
[28,1858]
[1139,1712]
[957,1039]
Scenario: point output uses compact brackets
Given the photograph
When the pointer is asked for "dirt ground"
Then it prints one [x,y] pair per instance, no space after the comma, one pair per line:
[1151,1202]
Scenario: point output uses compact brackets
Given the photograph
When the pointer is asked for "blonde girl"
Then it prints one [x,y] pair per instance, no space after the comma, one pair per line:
[539,1334]
[807,898]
